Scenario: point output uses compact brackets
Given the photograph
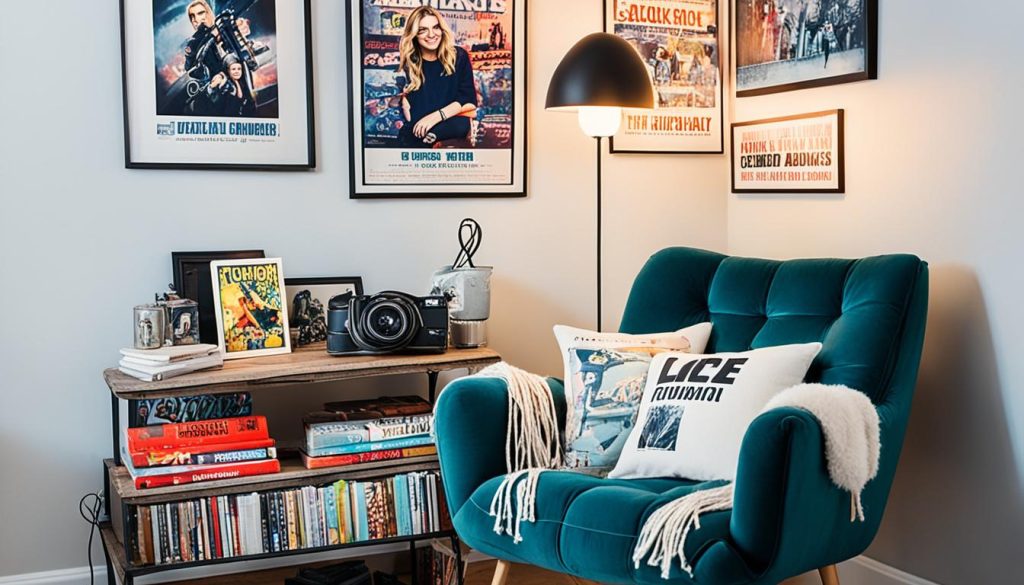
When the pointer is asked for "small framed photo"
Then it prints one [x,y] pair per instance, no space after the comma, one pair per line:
[192,281]
[252,319]
[794,154]
[217,84]
[783,45]
[307,300]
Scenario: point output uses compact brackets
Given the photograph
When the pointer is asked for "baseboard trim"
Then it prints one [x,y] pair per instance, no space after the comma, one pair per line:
[75,576]
[881,573]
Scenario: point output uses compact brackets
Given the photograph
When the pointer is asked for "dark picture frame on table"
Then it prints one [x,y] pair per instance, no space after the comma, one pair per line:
[308,316]
[480,151]
[180,114]
[803,153]
[816,43]
[192,281]
[685,58]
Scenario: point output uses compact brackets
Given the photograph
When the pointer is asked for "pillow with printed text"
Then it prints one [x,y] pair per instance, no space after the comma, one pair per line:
[605,374]
[696,409]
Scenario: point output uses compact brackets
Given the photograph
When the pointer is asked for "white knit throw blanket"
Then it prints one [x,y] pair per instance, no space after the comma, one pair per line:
[532,445]
[850,425]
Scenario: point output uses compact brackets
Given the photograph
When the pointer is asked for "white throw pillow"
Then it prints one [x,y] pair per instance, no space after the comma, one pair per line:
[605,374]
[696,409]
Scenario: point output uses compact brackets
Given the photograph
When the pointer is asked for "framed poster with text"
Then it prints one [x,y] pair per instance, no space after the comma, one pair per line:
[784,45]
[437,98]
[678,40]
[795,154]
[217,84]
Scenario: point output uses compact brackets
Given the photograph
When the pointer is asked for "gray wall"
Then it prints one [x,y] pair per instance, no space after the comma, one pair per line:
[933,168]
[80,246]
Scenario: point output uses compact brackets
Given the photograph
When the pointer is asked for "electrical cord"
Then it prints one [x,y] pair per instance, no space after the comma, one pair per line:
[91,514]
[468,245]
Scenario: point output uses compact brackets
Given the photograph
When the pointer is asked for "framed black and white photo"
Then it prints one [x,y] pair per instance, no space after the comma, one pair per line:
[437,98]
[191,272]
[308,299]
[783,45]
[679,41]
[794,154]
[217,84]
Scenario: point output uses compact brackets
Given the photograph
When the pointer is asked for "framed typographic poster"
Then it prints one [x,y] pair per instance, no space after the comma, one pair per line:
[437,98]
[782,45]
[217,84]
[678,40]
[794,154]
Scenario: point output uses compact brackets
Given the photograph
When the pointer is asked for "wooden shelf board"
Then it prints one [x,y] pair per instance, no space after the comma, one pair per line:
[305,365]
[114,550]
[292,474]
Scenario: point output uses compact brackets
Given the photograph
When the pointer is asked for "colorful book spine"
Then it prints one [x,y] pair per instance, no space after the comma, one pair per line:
[336,434]
[209,473]
[367,457]
[417,441]
[182,456]
[225,430]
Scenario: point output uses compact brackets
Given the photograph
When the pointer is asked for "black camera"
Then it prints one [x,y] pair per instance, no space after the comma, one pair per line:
[386,322]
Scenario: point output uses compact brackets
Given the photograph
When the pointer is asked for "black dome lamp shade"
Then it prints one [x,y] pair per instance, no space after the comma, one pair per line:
[600,74]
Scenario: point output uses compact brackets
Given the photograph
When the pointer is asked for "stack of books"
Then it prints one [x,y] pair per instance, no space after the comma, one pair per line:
[153,365]
[361,431]
[190,452]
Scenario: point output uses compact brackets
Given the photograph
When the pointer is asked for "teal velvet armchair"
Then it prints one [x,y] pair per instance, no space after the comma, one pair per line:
[788,517]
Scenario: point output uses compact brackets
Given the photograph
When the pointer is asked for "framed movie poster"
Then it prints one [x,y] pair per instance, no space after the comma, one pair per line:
[782,45]
[217,84]
[308,300]
[795,154]
[252,319]
[678,40]
[437,104]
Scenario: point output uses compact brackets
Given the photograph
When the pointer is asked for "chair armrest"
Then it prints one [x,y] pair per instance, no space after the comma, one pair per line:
[787,514]
[471,422]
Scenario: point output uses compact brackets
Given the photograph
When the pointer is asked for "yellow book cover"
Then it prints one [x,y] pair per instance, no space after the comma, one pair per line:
[252,318]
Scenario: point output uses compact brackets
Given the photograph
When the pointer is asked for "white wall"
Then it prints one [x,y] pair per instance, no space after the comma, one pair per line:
[933,168]
[80,245]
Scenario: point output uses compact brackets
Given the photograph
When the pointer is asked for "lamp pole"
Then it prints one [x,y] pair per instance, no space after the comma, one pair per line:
[598,233]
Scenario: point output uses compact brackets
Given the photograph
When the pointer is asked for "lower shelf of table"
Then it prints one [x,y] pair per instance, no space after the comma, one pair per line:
[116,553]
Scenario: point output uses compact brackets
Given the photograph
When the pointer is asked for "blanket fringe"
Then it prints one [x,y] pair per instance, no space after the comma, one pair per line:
[663,536]
[532,446]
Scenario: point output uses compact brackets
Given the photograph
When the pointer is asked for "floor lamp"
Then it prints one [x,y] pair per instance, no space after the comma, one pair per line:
[600,75]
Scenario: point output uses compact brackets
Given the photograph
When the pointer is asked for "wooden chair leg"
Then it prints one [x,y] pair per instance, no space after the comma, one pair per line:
[501,573]
[829,575]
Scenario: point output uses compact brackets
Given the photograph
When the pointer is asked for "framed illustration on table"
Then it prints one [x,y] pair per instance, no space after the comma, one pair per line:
[782,45]
[437,98]
[308,300]
[217,84]
[252,318]
[191,272]
[679,42]
[794,154]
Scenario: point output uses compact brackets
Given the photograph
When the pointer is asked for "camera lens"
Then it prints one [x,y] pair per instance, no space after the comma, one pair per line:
[387,321]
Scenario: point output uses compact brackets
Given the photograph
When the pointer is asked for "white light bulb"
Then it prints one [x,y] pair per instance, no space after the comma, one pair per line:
[600,121]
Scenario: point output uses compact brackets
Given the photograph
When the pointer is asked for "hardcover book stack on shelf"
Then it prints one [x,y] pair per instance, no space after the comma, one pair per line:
[198,450]
[153,365]
[309,517]
[361,431]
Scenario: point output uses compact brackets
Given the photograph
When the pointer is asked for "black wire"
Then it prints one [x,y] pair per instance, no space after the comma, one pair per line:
[468,247]
[92,516]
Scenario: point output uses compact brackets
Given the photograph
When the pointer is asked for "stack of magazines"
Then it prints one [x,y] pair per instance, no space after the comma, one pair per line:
[153,365]
[361,431]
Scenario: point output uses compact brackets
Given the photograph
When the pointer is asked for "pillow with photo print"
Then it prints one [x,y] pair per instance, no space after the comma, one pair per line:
[696,409]
[605,374]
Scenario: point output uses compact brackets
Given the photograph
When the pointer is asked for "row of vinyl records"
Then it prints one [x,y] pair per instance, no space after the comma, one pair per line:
[289,519]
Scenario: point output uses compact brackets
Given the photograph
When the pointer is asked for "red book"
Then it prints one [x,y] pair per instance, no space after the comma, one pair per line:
[367,457]
[210,473]
[216,526]
[181,455]
[203,432]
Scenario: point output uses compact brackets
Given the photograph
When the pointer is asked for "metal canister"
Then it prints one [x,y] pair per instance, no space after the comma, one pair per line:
[150,326]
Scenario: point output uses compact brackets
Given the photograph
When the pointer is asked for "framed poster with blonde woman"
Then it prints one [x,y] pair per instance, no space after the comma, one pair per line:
[437,98]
